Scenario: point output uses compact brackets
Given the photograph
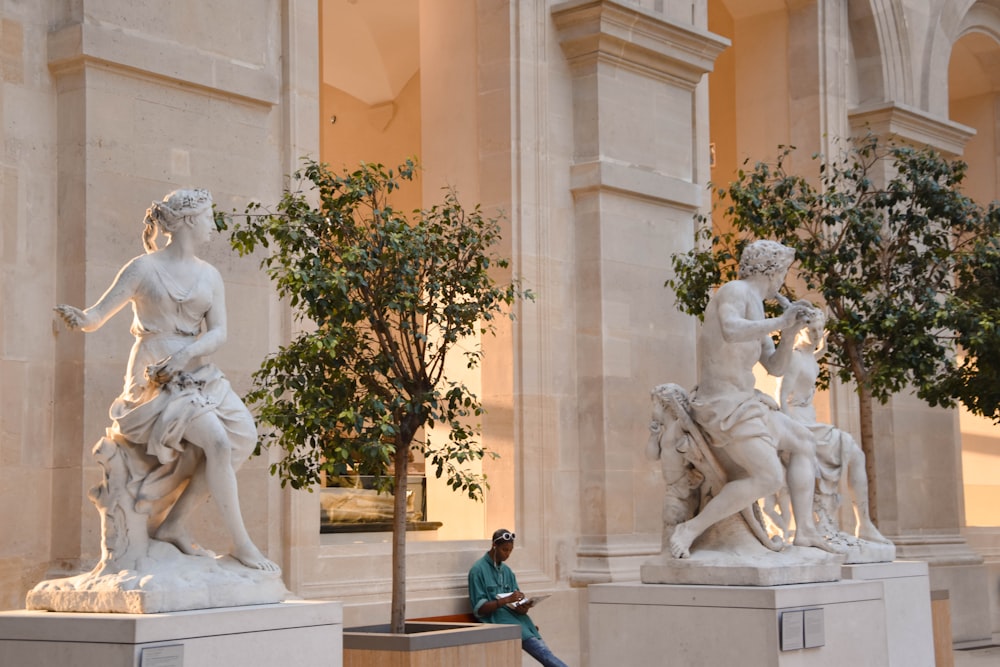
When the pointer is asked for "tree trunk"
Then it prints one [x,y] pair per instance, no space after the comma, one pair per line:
[866,410]
[398,614]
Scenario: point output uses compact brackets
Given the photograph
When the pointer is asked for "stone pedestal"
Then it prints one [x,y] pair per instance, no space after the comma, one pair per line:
[908,621]
[756,567]
[272,635]
[861,621]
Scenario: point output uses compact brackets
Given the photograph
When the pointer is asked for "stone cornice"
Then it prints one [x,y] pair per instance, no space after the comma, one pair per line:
[593,31]
[911,125]
[91,43]
[609,176]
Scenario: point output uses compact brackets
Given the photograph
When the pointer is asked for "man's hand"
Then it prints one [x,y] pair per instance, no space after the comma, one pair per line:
[512,598]
[517,603]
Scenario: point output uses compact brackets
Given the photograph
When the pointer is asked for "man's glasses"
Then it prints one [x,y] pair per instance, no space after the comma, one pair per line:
[504,537]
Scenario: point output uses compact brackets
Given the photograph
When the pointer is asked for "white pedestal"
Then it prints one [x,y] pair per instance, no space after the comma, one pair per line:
[851,622]
[907,608]
[272,635]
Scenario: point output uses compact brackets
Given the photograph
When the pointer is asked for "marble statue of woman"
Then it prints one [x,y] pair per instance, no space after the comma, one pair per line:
[837,453]
[176,409]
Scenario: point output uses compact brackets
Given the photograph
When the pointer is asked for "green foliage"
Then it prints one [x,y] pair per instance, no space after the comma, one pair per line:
[974,313]
[905,264]
[382,300]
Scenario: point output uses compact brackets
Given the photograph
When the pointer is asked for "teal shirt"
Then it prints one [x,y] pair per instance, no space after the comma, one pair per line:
[485,581]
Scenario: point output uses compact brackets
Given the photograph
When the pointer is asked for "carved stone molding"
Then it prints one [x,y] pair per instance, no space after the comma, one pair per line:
[911,125]
[610,176]
[620,53]
[592,31]
[88,43]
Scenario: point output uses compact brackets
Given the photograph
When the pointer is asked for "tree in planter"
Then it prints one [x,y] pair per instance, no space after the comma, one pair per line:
[896,265]
[384,300]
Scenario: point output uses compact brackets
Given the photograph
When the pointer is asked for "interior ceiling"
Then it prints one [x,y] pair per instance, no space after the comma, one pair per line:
[974,68]
[370,48]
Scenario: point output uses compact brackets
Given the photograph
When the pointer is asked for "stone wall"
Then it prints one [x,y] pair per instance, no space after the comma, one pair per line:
[589,127]
[106,107]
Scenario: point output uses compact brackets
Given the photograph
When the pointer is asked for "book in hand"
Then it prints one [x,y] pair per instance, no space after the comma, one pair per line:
[528,601]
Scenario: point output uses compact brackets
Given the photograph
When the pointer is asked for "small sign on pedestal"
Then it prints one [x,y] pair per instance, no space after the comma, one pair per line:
[163,656]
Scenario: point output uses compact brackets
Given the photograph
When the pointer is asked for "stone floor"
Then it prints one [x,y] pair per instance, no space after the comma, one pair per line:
[980,657]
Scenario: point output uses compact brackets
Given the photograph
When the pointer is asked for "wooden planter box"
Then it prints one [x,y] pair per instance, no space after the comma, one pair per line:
[427,644]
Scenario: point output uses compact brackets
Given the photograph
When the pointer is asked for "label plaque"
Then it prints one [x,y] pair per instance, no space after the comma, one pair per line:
[163,656]
[814,630]
[791,630]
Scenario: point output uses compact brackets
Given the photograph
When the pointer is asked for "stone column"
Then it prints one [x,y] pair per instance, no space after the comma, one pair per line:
[640,162]
[817,80]
[918,457]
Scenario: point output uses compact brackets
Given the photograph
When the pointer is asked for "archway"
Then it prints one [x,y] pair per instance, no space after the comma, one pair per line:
[974,100]
[399,80]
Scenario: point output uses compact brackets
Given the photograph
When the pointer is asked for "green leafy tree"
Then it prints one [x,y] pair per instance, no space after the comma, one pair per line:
[905,264]
[384,300]
[974,315]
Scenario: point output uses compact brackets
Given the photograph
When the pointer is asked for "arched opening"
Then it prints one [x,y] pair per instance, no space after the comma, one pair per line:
[973,95]
[399,80]
[974,100]
[749,85]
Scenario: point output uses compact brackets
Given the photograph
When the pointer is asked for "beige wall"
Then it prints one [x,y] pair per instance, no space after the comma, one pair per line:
[599,168]
[27,252]
[106,107]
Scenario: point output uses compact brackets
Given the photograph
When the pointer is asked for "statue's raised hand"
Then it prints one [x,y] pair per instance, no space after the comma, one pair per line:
[796,317]
[72,316]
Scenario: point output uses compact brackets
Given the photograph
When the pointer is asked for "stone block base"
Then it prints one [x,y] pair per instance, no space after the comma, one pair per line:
[794,565]
[272,635]
[908,621]
[850,622]
[169,581]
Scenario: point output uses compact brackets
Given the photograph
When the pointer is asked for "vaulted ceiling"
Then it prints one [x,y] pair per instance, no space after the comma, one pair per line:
[370,48]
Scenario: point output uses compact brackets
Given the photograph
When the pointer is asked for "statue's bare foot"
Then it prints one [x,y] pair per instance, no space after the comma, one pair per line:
[812,540]
[183,541]
[868,531]
[248,554]
[680,541]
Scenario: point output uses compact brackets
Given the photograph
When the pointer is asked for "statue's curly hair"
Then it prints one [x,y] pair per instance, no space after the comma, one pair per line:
[765,258]
[178,206]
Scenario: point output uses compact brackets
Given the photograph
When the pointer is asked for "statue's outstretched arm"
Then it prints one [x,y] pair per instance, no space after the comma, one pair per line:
[114,299]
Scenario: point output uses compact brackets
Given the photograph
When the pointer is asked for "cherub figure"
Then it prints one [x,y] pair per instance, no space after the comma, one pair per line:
[837,453]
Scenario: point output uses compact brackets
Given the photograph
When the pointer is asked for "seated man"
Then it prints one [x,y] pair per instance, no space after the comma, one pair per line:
[496,598]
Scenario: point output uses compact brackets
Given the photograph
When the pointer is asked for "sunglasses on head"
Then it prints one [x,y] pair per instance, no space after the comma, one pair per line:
[504,537]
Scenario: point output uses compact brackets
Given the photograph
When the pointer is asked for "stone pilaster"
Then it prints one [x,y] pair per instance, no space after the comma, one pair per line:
[637,177]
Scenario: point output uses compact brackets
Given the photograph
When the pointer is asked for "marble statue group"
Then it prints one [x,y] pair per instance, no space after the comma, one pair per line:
[732,455]
[178,435]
